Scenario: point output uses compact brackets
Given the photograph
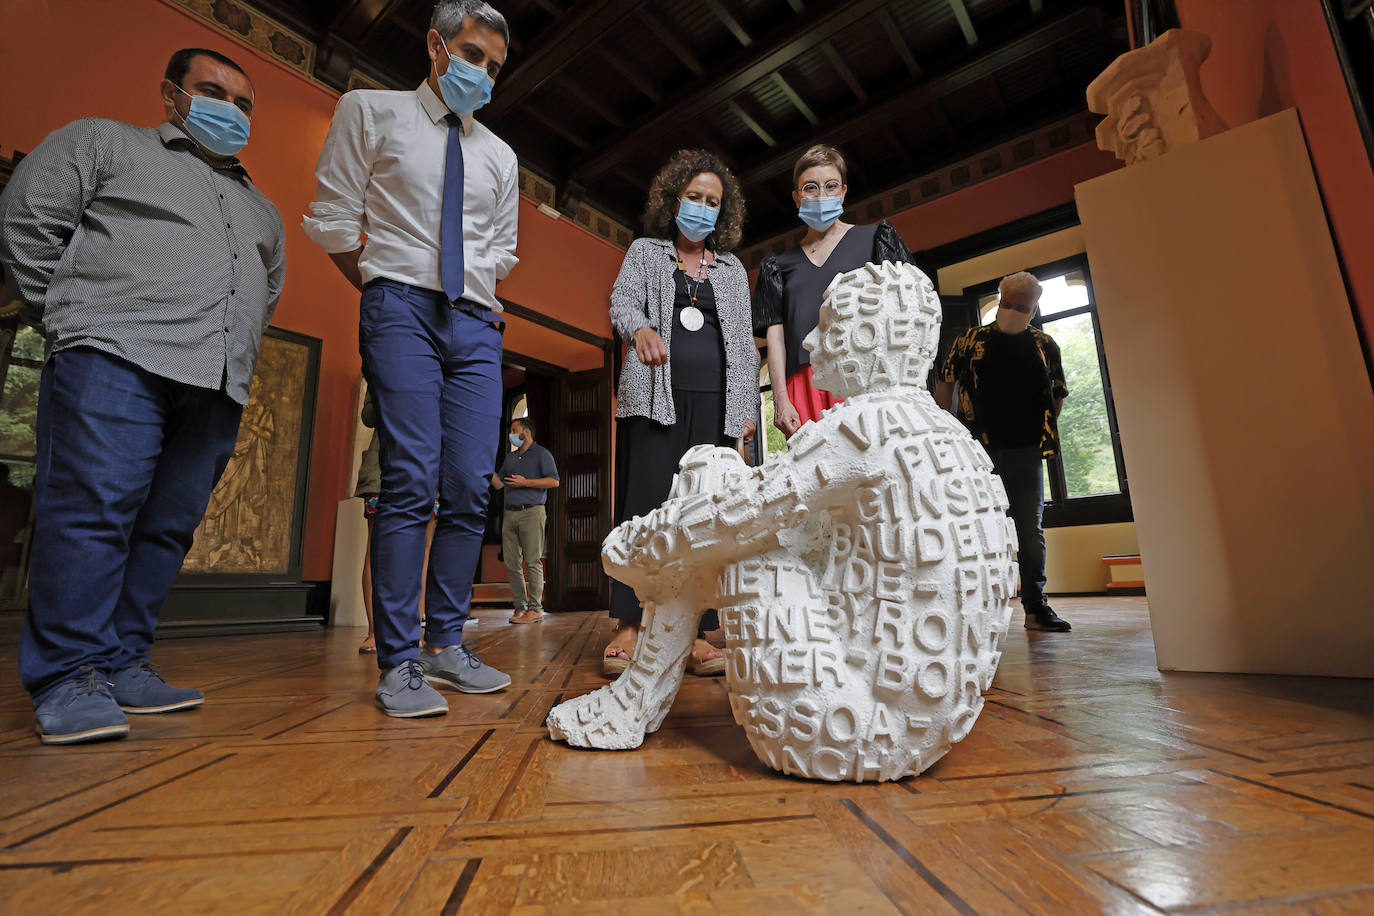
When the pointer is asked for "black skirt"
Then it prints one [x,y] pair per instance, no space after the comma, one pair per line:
[646,458]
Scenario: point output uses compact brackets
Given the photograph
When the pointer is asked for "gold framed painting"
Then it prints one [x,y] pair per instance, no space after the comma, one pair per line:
[255,522]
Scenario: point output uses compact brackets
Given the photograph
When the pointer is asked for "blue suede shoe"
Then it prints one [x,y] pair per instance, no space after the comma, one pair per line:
[457,667]
[403,692]
[80,710]
[140,689]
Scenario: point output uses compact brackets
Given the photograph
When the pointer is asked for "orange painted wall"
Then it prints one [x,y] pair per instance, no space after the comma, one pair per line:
[998,201]
[1268,55]
[564,271]
[109,60]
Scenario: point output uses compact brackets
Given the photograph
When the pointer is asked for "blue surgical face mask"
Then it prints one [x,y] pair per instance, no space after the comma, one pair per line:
[465,86]
[820,212]
[696,220]
[221,127]
[516,441]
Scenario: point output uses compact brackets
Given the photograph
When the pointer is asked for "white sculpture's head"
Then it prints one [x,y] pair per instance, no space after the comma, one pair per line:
[879,329]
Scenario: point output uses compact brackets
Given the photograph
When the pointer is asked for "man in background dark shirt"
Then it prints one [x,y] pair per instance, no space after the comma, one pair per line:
[151,264]
[1011,387]
[526,474]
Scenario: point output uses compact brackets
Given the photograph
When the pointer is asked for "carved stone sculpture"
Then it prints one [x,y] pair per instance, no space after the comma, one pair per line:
[1153,99]
[863,576]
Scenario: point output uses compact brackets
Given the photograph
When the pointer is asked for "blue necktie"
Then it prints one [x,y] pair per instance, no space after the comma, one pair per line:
[451,223]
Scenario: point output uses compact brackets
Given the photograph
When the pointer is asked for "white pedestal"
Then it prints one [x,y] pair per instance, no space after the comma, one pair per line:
[346,586]
[1247,419]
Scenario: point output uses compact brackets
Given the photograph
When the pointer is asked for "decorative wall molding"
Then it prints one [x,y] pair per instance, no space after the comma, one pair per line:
[541,191]
[284,45]
[294,51]
[357,79]
[1046,141]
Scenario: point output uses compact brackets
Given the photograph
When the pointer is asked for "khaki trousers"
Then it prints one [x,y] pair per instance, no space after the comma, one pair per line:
[522,546]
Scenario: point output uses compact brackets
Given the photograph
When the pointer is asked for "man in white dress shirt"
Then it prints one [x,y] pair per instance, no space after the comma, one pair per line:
[435,194]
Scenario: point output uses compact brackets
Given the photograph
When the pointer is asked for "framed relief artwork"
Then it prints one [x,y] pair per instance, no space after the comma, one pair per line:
[254,525]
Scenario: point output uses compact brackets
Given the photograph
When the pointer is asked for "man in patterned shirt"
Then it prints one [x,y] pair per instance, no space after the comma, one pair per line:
[1011,387]
[151,264]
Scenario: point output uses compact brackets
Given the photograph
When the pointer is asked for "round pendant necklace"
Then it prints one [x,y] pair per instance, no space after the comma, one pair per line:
[691,317]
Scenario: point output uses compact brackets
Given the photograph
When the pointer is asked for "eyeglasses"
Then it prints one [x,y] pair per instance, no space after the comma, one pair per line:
[830,189]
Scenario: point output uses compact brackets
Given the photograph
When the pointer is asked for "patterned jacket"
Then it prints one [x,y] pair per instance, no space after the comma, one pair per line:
[962,366]
[643,296]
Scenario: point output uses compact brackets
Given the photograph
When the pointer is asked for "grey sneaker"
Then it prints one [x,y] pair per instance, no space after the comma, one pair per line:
[402,692]
[458,668]
[80,710]
[140,689]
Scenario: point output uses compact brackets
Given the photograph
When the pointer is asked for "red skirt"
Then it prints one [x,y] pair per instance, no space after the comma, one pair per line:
[808,401]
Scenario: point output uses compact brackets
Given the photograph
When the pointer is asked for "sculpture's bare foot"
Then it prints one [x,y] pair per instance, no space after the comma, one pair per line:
[618,717]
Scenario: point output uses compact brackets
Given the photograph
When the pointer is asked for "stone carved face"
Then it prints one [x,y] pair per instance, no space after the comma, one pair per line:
[1152,98]
[867,342]
[863,576]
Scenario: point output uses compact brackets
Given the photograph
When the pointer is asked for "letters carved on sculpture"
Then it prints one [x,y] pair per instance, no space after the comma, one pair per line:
[863,577]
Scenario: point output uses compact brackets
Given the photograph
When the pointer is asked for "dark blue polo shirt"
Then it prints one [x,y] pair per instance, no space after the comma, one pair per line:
[533,463]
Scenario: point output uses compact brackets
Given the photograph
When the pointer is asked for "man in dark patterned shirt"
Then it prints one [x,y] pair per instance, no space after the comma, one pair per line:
[1011,386]
[151,264]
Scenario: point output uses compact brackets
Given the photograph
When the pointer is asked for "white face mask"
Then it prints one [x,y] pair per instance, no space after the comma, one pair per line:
[1012,321]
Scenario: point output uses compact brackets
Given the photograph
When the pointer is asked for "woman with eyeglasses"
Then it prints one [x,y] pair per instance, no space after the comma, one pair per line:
[787,296]
[691,372]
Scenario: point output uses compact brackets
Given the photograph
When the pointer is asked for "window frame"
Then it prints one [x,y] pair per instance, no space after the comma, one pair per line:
[1061,510]
[761,451]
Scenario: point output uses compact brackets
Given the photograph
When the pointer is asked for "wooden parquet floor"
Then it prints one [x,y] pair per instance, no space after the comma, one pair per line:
[1091,784]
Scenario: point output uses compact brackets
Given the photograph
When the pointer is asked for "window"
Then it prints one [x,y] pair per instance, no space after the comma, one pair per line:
[772,438]
[21,368]
[1087,483]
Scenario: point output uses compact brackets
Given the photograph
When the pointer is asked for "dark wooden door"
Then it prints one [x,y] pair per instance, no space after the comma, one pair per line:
[585,468]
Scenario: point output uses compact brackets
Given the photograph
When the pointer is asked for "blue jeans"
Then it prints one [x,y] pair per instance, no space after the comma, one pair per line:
[126,462]
[1022,473]
[435,376]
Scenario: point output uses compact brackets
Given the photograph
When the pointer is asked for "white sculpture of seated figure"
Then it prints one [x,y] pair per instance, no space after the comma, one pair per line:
[863,576]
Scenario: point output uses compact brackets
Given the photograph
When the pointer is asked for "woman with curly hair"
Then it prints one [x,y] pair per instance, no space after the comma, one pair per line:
[787,296]
[691,372]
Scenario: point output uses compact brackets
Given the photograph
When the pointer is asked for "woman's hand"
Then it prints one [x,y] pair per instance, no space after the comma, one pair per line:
[749,430]
[649,347]
[785,416]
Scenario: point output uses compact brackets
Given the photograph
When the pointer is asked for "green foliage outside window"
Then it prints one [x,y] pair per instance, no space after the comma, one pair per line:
[777,443]
[19,403]
[1085,434]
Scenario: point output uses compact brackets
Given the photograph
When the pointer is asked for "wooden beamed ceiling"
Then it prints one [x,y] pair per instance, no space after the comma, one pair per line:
[597,93]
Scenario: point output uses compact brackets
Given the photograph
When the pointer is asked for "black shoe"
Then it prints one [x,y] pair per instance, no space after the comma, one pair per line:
[1044,618]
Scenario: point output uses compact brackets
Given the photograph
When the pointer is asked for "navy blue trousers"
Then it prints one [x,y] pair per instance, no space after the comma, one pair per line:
[1023,475]
[435,376]
[126,462]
